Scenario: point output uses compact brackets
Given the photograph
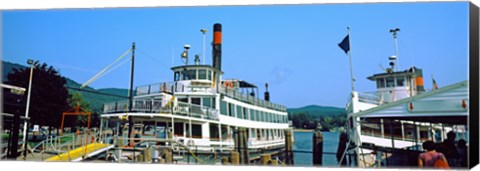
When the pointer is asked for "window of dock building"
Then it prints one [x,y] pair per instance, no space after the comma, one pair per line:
[400,81]
[390,82]
[223,107]
[202,74]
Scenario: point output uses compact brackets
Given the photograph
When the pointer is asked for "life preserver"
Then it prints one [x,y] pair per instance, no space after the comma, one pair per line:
[228,84]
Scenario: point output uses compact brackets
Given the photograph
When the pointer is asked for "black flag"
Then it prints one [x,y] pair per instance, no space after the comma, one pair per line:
[345,44]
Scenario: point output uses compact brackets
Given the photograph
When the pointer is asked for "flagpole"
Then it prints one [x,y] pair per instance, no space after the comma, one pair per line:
[350,57]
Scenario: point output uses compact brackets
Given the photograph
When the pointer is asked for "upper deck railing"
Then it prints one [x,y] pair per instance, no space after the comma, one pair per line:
[155,88]
[172,88]
[230,92]
[155,106]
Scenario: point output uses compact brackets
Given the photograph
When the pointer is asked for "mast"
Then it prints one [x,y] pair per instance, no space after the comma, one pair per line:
[130,97]
[350,57]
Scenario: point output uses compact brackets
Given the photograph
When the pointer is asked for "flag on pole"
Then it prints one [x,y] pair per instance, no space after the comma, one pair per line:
[345,44]
[435,86]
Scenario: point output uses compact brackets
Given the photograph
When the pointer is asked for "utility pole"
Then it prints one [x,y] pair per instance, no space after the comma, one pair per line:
[25,123]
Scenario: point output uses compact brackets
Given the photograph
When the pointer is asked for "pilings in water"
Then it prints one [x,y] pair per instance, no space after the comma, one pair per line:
[235,157]
[288,147]
[317,148]
[241,146]
[341,150]
[265,159]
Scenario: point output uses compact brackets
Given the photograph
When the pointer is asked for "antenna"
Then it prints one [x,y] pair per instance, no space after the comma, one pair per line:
[394,31]
[204,31]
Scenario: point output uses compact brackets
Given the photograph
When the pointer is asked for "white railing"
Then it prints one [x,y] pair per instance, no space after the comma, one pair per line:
[385,96]
[230,92]
[198,111]
[155,106]
[369,97]
[155,88]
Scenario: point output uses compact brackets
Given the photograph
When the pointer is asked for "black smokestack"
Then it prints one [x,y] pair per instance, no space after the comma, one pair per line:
[267,94]
[217,46]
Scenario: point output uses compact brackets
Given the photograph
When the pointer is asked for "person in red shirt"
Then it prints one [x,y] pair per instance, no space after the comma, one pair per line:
[430,156]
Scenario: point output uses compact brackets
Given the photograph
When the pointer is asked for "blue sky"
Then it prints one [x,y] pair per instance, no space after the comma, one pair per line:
[292,47]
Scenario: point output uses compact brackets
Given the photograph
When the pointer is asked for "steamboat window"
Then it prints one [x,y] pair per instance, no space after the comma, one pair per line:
[214,103]
[190,74]
[231,110]
[196,131]
[207,102]
[209,75]
[179,129]
[195,101]
[176,76]
[223,107]
[214,134]
[245,113]
[252,115]
[260,116]
[202,74]
[390,82]
[400,81]
[239,112]
[380,83]
[185,100]
[253,133]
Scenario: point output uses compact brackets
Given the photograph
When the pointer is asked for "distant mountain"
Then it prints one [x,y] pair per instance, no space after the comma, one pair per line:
[325,118]
[95,98]
[317,111]
[7,67]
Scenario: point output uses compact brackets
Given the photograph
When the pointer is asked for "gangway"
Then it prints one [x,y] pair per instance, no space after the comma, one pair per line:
[81,153]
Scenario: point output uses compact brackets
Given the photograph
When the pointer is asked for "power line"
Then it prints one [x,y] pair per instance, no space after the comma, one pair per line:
[95,92]
[152,58]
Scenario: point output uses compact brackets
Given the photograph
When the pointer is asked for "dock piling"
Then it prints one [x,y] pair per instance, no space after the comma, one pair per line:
[235,157]
[288,147]
[317,148]
[265,159]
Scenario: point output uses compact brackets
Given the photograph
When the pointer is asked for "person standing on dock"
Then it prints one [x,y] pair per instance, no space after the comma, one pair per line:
[451,150]
[429,159]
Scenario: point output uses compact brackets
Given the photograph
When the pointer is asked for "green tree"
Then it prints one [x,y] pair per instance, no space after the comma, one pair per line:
[48,94]
[78,100]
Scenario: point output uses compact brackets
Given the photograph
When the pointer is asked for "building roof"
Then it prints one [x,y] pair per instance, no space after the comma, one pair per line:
[444,105]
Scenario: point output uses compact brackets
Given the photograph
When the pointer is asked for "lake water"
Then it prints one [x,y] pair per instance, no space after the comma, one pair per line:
[303,148]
